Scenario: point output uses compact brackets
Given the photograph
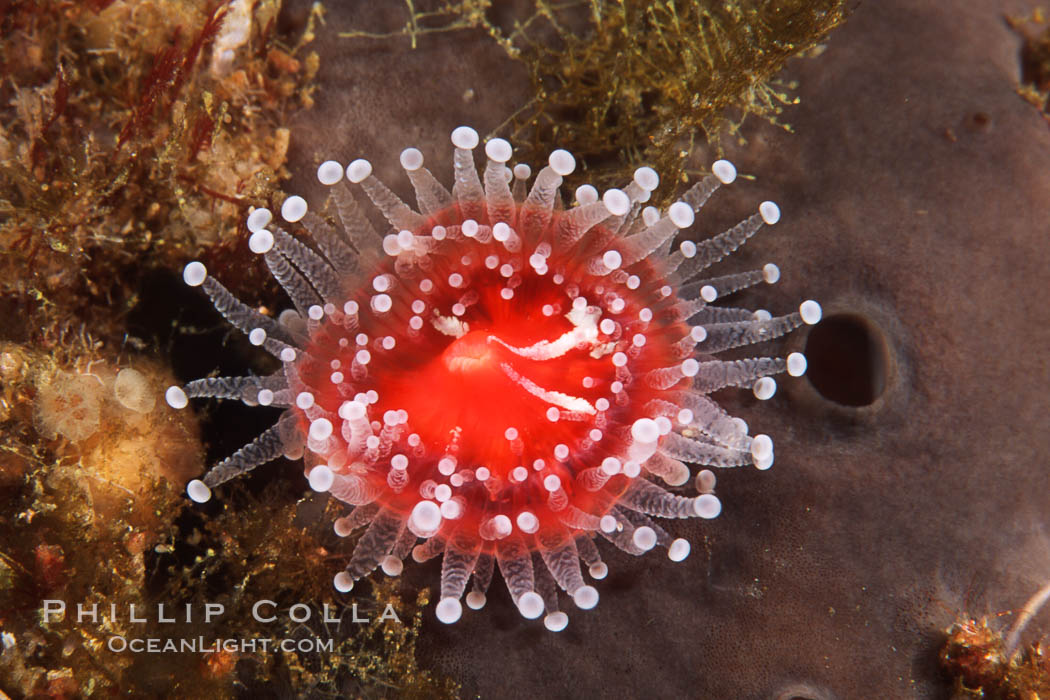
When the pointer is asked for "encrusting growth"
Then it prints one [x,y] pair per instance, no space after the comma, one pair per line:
[499,379]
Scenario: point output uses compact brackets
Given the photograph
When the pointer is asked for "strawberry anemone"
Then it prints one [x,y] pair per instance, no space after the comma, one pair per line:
[499,379]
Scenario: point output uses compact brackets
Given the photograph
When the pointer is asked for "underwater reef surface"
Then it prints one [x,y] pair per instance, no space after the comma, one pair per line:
[909,491]
[916,209]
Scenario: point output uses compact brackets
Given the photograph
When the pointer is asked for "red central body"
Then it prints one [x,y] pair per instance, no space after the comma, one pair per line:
[466,393]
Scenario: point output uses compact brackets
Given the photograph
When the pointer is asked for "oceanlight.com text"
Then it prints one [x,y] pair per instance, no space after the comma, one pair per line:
[200,645]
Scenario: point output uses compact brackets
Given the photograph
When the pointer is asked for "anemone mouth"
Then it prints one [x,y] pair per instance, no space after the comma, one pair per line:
[500,380]
[470,355]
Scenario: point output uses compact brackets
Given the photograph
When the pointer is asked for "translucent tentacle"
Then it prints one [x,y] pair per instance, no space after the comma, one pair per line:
[358,229]
[375,544]
[641,245]
[299,290]
[333,245]
[714,249]
[483,570]
[357,518]
[428,550]
[674,472]
[431,196]
[316,270]
[536,211]
[240,315]
[646,497]
[515,563]
[689,450]
[579,220]
[400,215]
[727,284]
[588,551]
[546,586]
[716,374]
[461,554]
[265,448]
[718,314]
[563,561]
[498,198]
[623,535]
[238,388]
[468,190]
[355,489]
[711,419]
[722,336]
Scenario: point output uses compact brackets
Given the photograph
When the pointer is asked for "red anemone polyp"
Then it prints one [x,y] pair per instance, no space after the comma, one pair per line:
[500,379]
